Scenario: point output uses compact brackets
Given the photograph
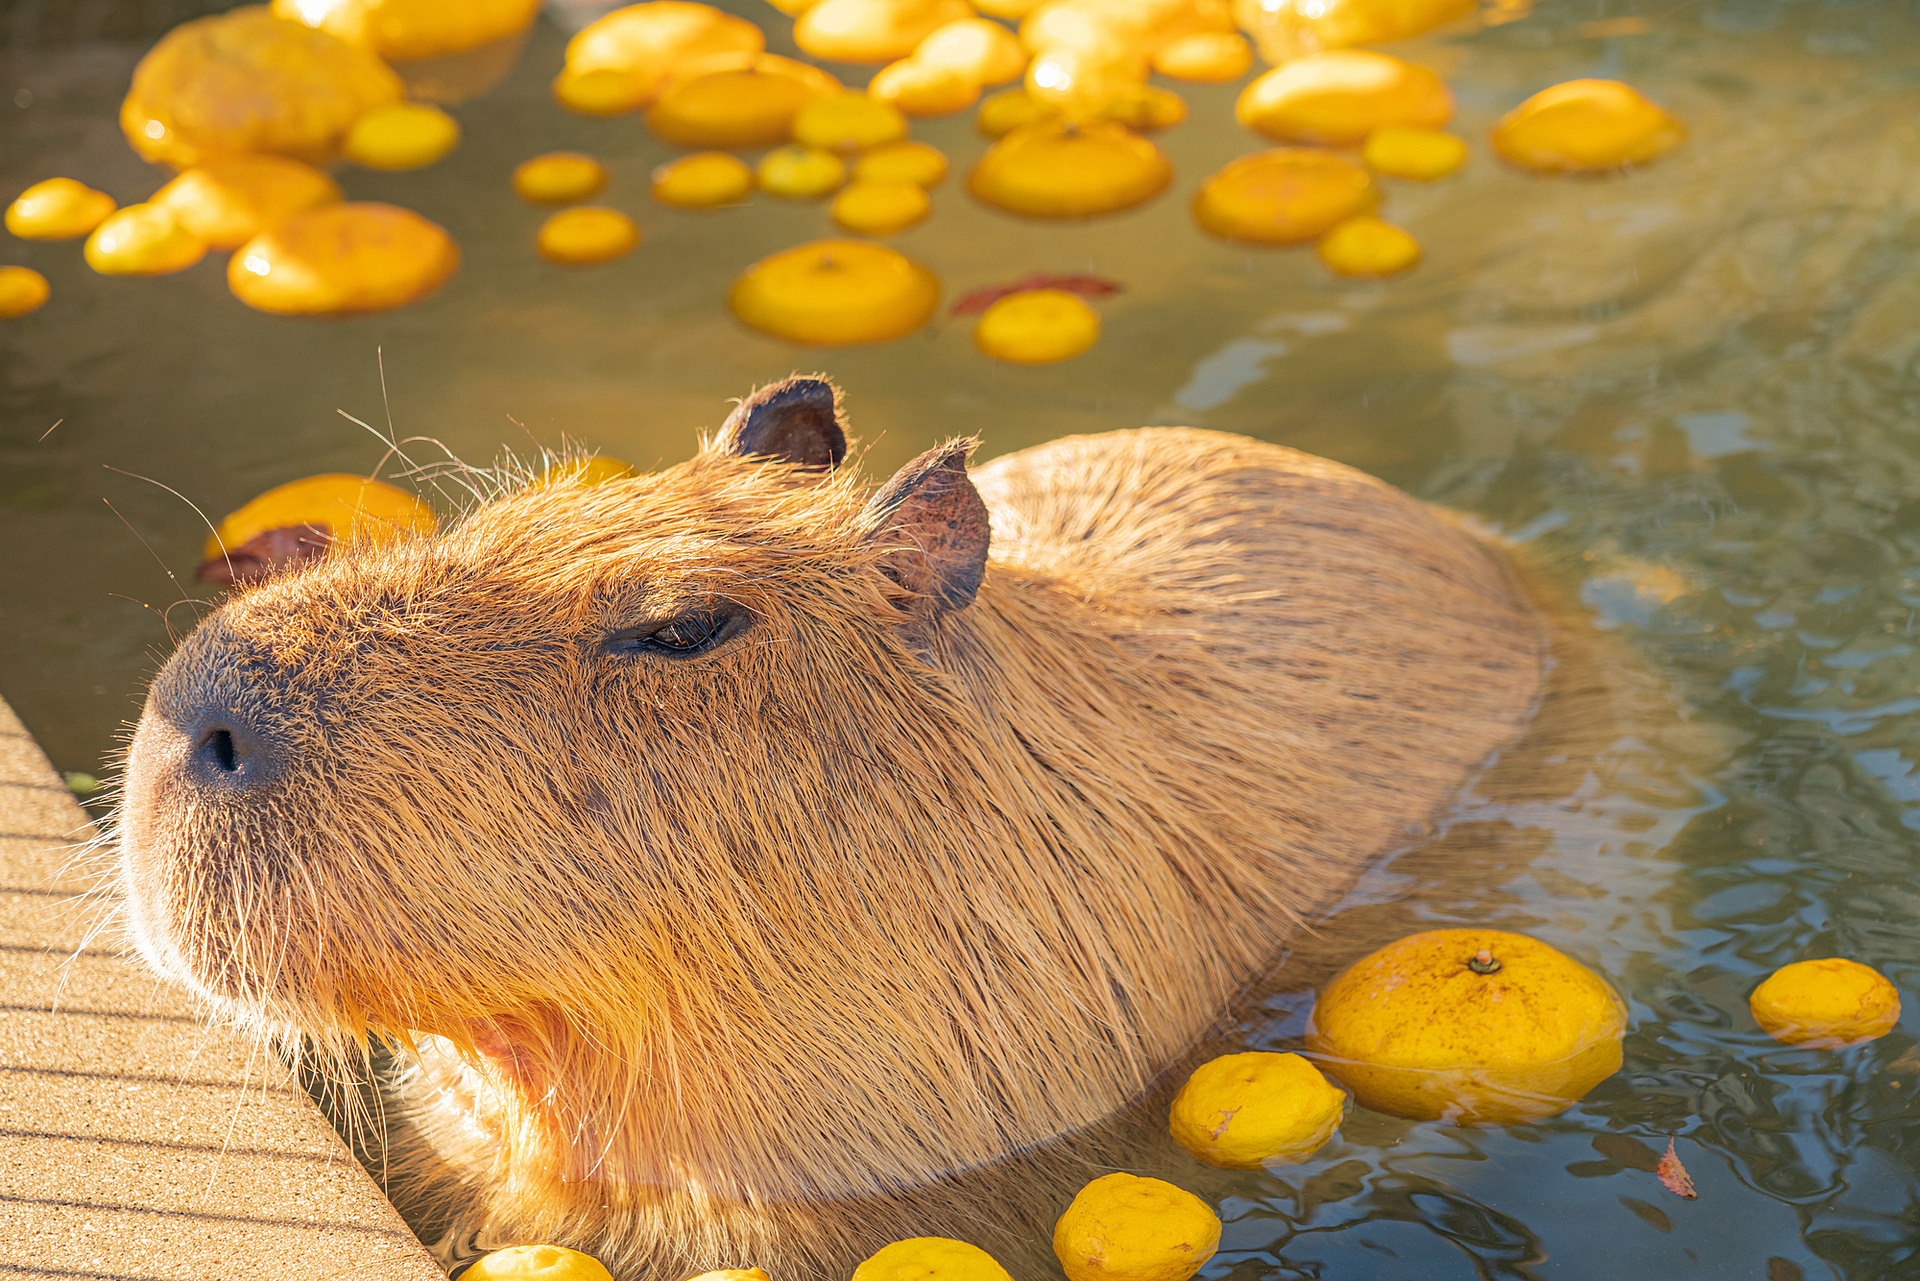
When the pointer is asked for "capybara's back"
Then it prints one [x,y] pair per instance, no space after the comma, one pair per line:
[732,845]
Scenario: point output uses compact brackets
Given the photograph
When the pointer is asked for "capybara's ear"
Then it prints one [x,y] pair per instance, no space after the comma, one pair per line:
[796,420]
[935,523]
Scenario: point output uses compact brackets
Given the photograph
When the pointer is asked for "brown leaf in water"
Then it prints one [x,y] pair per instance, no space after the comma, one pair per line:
[1779,1269]
[984,297]
[1675,1175]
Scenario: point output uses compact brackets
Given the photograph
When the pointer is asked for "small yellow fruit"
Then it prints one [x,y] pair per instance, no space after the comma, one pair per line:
[228,202]
[984,52]
[660,43]
[1340,97]
[1009,109]
[703,180]
[1826,1003]
[404,30]
[342,258]
[1474,1027]
[537,1263]
[322,510]
[1585,125]
[1420,154]
[57,209]
[559,178]
[604,91]
[836,292]
[143,240]
[1037,327]
[1368,246]
[880,208]
[405,135]
[585,472]
[1205,55]
[748,106]
[872,30]
[1243,1110]
[923,89]
[931,1259]
[1289,30]
[1079,80]
[22,289]
[246,82]
[1124,1228]
[1059,170]
[914,162]
[799,173]
[1282,196]
[585,235]
[848,122]
[1144,107]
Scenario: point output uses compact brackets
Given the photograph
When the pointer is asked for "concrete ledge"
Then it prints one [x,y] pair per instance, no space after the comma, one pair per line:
[136,1143]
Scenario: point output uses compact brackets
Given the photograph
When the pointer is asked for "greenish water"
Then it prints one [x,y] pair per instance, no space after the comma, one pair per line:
[1689,392]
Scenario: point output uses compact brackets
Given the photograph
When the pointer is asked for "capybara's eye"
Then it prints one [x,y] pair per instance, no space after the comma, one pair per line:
[680,637]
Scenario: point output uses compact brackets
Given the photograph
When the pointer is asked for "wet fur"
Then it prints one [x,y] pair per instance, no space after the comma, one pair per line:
[772,956]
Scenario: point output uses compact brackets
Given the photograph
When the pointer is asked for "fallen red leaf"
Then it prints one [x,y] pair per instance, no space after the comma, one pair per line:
[1675,1175]
[984,297]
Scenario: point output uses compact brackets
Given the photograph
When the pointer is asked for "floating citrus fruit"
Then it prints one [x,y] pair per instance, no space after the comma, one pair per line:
[914,162]
[22,289]
[228,202]
[246,81]
[748,106]
[1342,96]
[1037,327]
[1243,1110]
[1007,110]
[1125,1228]
[1205,55]
[848,122]
[1078,81]
[1282,196]
[878,208]
[1585,125]
[537,1263]
[1476,1027]
[559,178]
[402,30]
[604,91]
[1421,154]
[342,258]
[984,52]
[299,520]
[872,30]
[404,135]
[799,173]
[645,48]
[1144,107]
[1054,169]
[586,235]
[586,472]
[1286,31]
[57,209]
[931,1259]
[1368,246]
[1825,1003]
[924,89]
[143,240]
[835,292]
[703,180]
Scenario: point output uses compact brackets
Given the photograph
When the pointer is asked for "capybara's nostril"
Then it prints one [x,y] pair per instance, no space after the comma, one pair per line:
[229,752]
[218,745]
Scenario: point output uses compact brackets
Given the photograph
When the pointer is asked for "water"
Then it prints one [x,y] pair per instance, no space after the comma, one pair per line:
[1688,394]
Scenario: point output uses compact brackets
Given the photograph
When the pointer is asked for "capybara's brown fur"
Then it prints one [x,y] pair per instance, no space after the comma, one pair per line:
[731,844]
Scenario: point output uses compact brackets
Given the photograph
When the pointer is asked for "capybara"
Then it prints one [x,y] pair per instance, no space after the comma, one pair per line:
[733,845]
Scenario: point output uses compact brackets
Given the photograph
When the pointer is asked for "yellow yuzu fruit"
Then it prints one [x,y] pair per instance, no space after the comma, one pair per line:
[143,240]
[1282,196]
[1125,1228]
[1421,154]
[57,209]
[1055,169]
[586,235]
[22,289]
[1583,126]
[930,1259]
[914,162]
[875,208]
[1826,1003]
[348,509]
[342,258]
[1368,246]
[1242,1110]
[401,136]
[537,1263]
[848,122]
[559,178]
[703,180]
[1341,96]
[836,292]
[229,201]
[1037,327]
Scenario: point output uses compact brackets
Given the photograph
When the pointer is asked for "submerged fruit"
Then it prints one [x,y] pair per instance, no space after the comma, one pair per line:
[1126,1228]
[342,258]
[1282,196]
[1825,1003]
[57,209]
[559,178]
[1054,169]
[1243,1110]
[1585,125]
[835,292]
[1475,1027]
[1037,327]
[931,1259]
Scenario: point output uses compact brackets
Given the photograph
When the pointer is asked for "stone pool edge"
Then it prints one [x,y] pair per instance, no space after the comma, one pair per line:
[138,1143]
